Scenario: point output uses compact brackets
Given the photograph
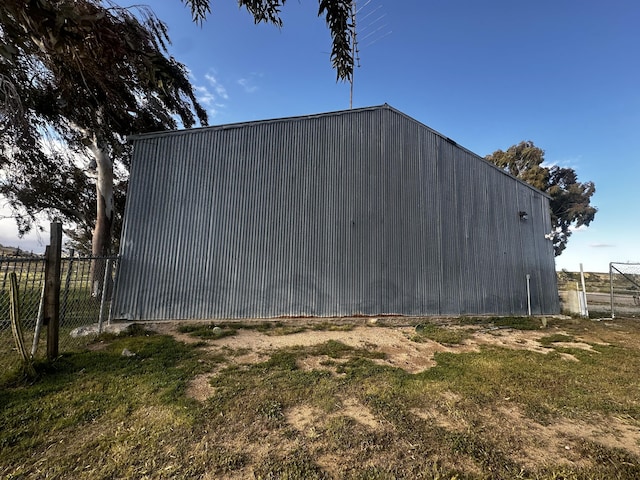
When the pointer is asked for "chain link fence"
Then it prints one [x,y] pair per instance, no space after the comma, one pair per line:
[625,289]
[613,294]
[30,277]
[85,301]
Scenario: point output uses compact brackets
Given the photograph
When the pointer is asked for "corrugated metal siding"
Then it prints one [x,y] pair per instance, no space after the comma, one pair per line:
[359,212]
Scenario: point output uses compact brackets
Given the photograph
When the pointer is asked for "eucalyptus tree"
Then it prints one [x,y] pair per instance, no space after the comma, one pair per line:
[85,74]
[337,13]
[570,199]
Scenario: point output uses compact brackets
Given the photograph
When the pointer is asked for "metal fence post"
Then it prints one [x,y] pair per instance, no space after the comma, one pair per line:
[584,293]
[613,315]
[528,294]
[105,286]
[67,282]
[113,284]
[39,321]
[52,286]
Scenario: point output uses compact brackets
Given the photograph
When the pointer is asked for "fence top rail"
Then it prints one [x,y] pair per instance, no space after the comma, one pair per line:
[106,257]
[21,259]
[42,259]
[626,275]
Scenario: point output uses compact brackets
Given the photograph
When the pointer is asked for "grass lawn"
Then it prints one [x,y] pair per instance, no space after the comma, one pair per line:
[501,399]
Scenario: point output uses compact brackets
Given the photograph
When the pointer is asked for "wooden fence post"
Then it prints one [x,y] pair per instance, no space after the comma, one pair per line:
[52,289]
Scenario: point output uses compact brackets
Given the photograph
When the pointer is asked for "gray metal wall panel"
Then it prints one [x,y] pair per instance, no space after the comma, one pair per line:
[360,212]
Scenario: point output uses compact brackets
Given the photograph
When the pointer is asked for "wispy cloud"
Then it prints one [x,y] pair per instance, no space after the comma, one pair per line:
[601,245]
[248,83]
[573,162]
[212,94]
[207,99]
[581,228]
[217,86]
[204,95]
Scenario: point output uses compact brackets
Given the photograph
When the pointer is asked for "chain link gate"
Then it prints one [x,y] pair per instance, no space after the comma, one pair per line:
[30,279]
[625,289]
[85,304]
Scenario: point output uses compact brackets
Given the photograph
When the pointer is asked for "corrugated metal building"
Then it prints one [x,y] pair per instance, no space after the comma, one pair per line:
[359,212]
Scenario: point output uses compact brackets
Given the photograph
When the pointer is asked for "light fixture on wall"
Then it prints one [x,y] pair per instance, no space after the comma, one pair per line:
[523,215]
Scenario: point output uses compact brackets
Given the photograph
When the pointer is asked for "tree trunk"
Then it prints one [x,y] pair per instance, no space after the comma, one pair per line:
[101,242]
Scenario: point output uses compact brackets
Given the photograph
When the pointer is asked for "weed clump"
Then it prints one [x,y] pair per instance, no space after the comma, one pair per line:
[209,332]
[443,335]
[549,340]
[516,323]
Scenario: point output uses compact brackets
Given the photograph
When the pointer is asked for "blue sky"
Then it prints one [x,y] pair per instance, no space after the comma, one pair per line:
[562,73]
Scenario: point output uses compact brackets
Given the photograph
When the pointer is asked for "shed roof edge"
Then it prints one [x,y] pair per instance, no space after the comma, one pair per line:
[227,126]
[385,106]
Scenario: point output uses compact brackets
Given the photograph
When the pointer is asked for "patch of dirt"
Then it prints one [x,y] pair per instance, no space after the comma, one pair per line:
[395,342]
[507,338]
[611,432]
[410,356]
[558,442]
[200,387]
[304,417]
[578,345]
[329,463]
[250,358]
[320,362]
[172,328]
[532,444]
[360,413]
[446,415]
[569,357]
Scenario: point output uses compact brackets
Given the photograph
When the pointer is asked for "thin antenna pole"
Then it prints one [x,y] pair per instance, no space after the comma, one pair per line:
[373,35]
[353,52]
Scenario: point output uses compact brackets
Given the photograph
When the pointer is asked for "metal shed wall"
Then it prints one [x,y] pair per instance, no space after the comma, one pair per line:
[361,212]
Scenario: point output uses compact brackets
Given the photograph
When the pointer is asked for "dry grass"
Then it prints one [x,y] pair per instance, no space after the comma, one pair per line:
[269,403]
